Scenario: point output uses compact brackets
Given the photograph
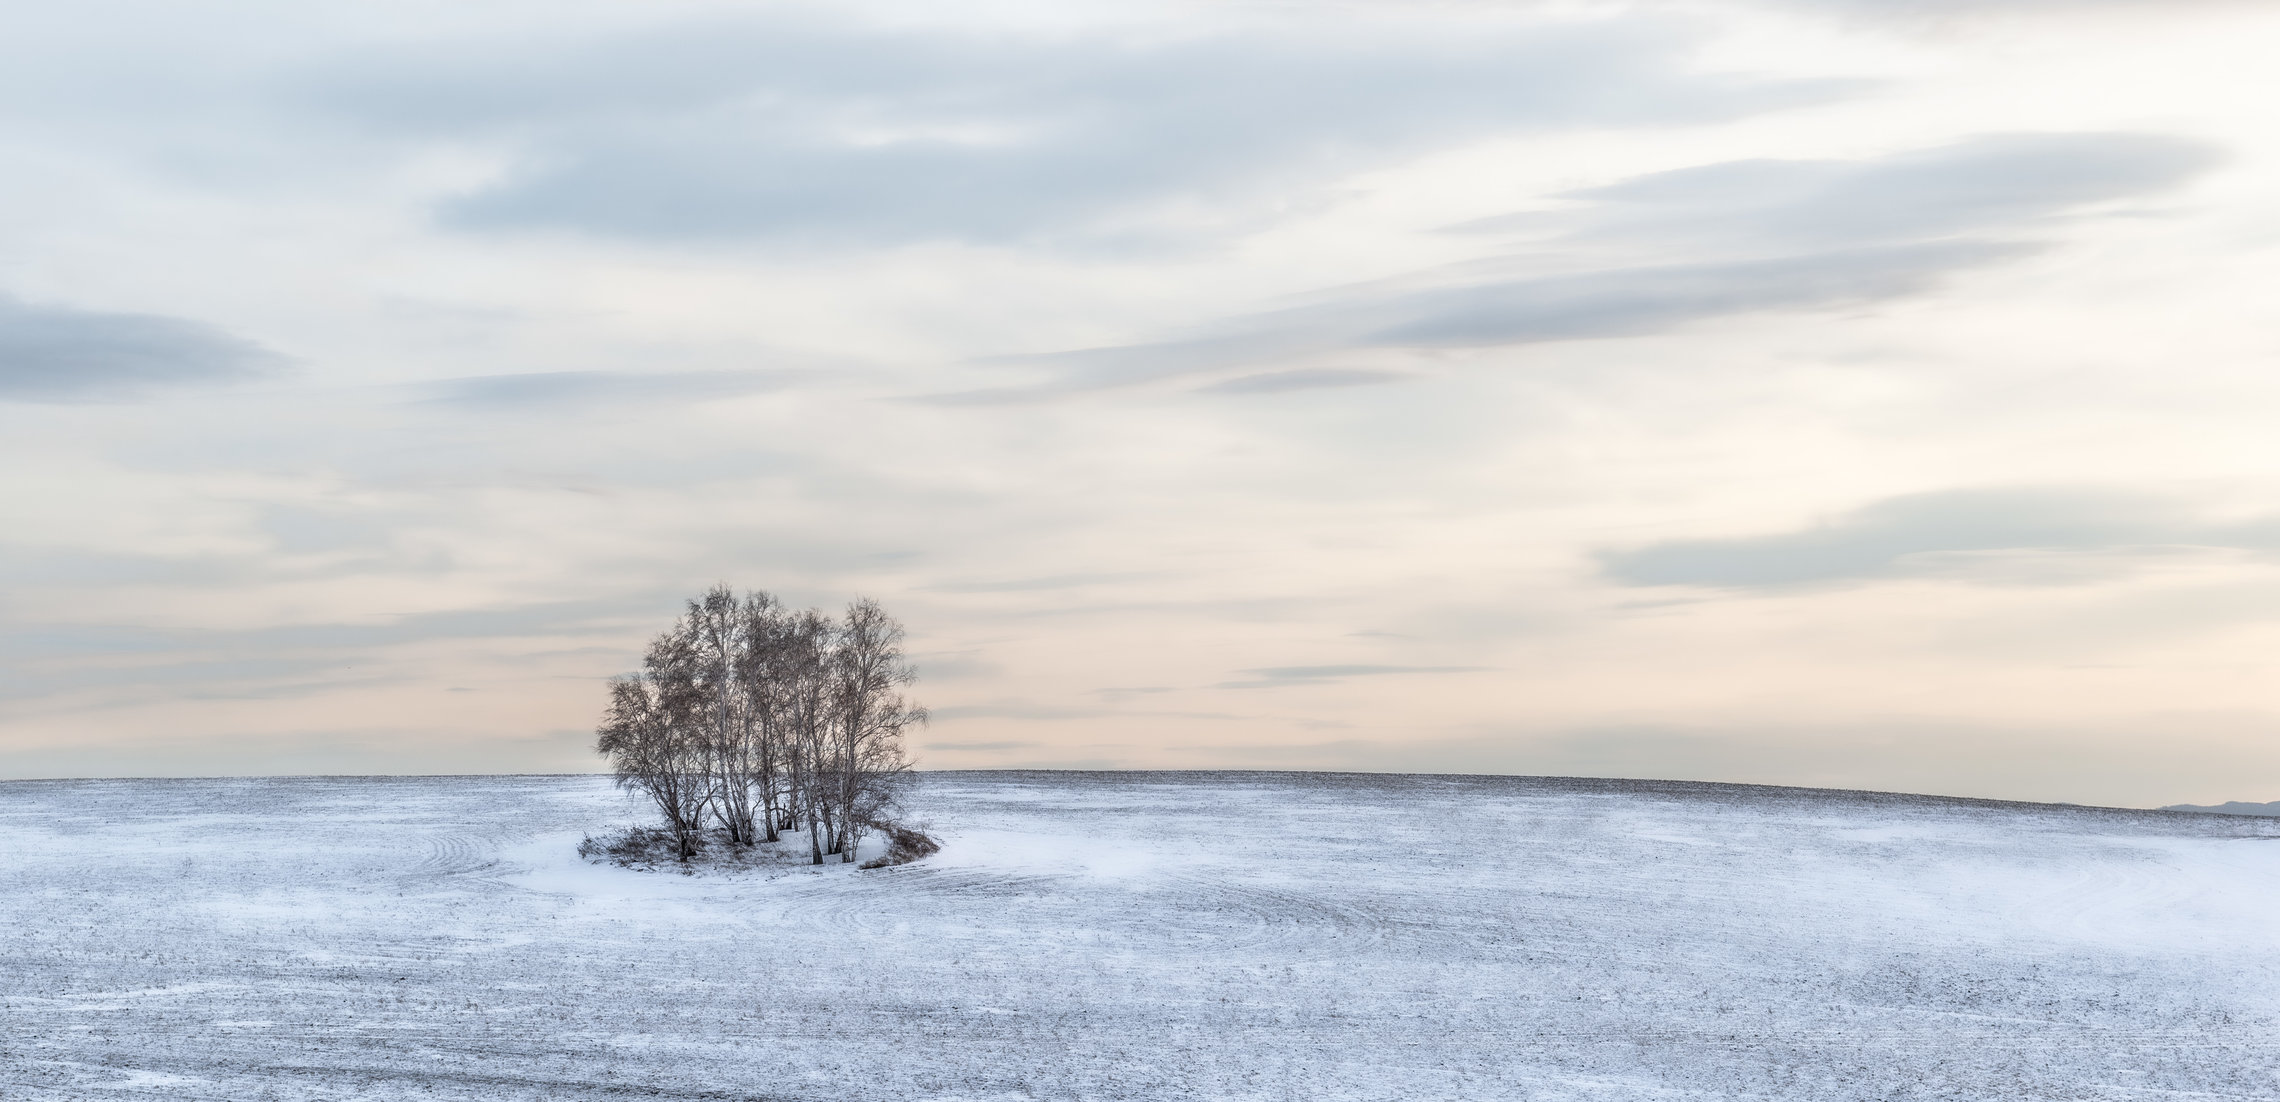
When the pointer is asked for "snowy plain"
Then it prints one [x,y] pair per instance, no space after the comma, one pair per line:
[1138,936]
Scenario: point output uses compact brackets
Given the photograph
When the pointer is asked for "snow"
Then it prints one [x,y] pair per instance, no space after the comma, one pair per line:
[1138,936]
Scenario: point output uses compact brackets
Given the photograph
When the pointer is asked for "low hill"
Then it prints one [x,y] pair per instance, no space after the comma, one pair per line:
[2235,807]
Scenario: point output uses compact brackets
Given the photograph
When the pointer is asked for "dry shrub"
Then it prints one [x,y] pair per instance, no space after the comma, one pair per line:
[633,847]
[904,845]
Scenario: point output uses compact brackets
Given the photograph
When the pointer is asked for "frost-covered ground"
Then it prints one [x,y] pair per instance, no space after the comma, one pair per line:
[1138,936]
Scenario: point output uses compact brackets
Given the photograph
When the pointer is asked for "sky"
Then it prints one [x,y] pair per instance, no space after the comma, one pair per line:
[1856,393]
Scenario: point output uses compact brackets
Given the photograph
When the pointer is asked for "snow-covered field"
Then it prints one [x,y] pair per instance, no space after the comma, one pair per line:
[1138,936]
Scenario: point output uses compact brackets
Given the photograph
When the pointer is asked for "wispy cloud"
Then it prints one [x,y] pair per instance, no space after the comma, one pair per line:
[131,662]
[1276,677]
[1041,583]
[783,126]
[1998,183]
[1942,533]
[1907,9]
[561,388]
[1318,378]
[1024,710]
[1763,235]
[60,354]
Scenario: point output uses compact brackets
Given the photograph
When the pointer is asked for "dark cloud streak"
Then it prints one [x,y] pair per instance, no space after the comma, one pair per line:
[1992,183]
[564,388]
[1320,378]
[1932,534]
[1625,302]
[1277,677]
[1761,236]
[56,354]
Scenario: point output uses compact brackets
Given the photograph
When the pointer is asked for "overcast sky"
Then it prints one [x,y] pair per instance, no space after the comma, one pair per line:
[1875,394]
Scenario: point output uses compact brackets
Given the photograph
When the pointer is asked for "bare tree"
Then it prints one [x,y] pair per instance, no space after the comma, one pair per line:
[718,645]
[656,745]
[768,719]
[869,716]
[765,631]
[802,677]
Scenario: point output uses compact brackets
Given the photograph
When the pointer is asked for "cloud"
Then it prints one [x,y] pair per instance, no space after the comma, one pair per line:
[1908,8]
[2002,182]
[790,127]
[56,354]
[564,388]
[961,666]
[1014,709]
[1275,677]
[1284,382]
[1947,532]
[127,662]
[1592,305]
[1651,300]
[1024,710]
[1040,583]
[1763,235]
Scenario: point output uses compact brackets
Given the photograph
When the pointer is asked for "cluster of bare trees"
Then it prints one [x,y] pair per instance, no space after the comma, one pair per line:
[766,721]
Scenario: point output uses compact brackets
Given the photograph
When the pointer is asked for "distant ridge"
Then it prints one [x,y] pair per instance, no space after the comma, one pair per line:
[2234,808]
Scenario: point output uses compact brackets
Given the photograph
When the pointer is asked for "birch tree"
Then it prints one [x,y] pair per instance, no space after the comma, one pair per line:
[652,733]
[768,720]
[721,638]
[868,717]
